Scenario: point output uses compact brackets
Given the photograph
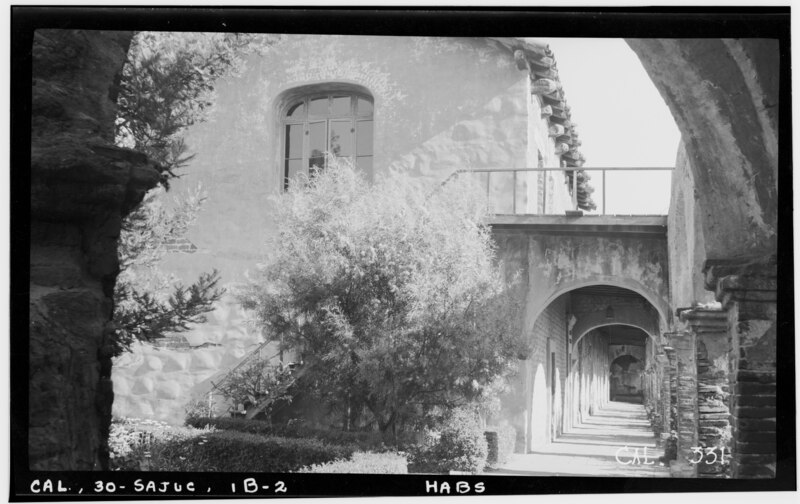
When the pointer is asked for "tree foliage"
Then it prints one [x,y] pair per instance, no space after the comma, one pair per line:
[167,85]
[149,304]
[390,292]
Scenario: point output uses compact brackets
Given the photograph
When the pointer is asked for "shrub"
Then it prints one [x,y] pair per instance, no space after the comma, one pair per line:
[144,445]
[156,446]
[364,463]
[364,440]
[392,292]
[459,445]
[500,441]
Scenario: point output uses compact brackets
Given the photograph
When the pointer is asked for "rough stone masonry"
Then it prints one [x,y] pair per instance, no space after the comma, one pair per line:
[81,187]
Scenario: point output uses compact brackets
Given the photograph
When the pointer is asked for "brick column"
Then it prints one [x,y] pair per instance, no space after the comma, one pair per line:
[664,404]
[710,328]
[748,291]
[683,343]
[672,380]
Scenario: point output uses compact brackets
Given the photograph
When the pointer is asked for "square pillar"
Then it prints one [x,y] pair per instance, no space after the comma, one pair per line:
[747,290]
[710,329]
[683,342]
[663,367]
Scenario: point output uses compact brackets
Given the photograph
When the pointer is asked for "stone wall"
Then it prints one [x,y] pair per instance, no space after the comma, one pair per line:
[81,188]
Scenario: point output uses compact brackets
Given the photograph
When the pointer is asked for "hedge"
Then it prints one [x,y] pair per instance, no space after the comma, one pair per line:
[231,451]
[364,463]
[364,440]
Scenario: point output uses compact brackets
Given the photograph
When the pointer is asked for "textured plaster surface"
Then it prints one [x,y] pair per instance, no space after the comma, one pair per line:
[555,264]
[159,382]
[685,238]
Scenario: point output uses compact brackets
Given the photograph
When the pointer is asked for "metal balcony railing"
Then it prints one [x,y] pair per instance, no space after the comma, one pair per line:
[515,173]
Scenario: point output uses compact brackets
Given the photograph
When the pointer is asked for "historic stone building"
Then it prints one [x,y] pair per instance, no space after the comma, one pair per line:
[424,106]
[679,311]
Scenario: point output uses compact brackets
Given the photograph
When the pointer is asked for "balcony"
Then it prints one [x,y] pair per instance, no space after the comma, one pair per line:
[556,191]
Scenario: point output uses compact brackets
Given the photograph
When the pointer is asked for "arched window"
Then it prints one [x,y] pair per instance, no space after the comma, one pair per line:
[334,122]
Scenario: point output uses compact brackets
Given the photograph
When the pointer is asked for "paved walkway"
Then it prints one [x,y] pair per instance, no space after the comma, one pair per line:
[592,448]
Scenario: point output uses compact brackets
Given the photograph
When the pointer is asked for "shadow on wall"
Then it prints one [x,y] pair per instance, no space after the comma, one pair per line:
[539,424]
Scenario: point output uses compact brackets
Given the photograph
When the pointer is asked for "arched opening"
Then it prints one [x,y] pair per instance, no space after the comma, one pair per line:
[622,286]
[628,349]
[626,379]
[590,347]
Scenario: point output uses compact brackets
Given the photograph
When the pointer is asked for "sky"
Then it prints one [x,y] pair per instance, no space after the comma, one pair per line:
[622,121]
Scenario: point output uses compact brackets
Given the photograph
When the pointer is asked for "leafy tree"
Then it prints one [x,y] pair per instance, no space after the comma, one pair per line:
[167,85]
[390,292]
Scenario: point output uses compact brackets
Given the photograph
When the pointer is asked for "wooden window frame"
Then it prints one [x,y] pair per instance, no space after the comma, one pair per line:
[306,119]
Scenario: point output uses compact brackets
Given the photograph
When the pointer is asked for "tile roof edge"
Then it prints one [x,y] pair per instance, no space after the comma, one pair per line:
[536,55]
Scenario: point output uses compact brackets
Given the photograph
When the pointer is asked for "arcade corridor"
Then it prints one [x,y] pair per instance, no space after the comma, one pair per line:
[597,447]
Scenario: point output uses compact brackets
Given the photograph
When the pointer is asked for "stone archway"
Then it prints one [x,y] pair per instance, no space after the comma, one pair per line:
[724,96]
[538,305]
[591,325]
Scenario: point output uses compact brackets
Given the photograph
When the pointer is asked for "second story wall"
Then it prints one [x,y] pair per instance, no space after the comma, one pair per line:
[685,239]
[438,105]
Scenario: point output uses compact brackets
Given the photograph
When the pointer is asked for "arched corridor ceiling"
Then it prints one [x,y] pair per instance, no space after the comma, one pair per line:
[623,335]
